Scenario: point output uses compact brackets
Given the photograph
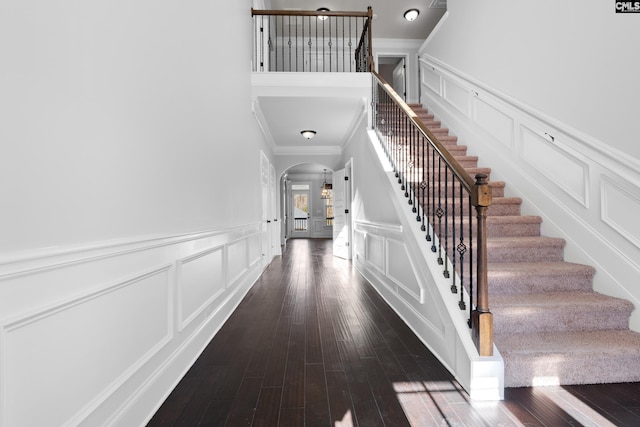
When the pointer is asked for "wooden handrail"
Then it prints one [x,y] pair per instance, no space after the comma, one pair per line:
[467,181]
[255,12]
[481,319]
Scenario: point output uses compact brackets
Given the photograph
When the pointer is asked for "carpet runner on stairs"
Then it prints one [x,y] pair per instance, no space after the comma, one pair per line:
[549,325]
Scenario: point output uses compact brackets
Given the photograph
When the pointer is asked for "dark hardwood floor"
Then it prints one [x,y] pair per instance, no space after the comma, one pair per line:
[312,344]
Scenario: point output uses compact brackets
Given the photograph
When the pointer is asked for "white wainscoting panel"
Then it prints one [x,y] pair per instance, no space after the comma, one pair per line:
[376,252]
[431,79]
[236,260]
[99,335]
[620,208]
[457,95]
[401,271]
[359,244]
[498,124]
[254,245]
[553,159]
[200,280]
[61,350]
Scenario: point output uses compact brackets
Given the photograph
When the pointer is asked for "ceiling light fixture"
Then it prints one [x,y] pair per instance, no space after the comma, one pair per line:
[308,134]
[322,17]
[411,14]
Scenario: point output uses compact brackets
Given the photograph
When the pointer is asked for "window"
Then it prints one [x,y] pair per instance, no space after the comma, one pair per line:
[329,210]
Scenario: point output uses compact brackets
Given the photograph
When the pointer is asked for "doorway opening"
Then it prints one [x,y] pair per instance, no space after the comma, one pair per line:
[315,202]
[394,70]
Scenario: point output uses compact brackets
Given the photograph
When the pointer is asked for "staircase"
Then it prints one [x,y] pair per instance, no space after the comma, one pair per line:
[549,325]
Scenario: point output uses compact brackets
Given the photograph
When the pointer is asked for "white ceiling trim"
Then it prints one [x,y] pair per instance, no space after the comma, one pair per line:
[262,123]
[318,150]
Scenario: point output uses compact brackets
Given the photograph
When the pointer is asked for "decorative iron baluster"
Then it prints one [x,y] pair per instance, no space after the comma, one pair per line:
[446,223]
[330,44]
[462,249]
[289,42]
[433,200]
[471,275]
[423,185]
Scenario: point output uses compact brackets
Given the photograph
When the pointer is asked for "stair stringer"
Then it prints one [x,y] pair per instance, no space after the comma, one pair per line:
[432,312]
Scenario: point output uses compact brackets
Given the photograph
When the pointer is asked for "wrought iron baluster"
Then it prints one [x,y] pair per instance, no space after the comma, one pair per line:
[423,184]
[434,185]
[289,42]
[323,45]
[440,211]
[330,44]
[471,270]
[462,249]
[446,224]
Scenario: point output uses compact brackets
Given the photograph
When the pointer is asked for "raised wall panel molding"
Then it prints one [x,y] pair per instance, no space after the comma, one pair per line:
[457,94]
[492,120]
[548,155]
[620,206]
[376,252]
[237,261]
[200,281]
[64,344]
[401,270]
[431,79]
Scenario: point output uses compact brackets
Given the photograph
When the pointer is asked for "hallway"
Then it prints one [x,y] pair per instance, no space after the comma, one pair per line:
[312,344]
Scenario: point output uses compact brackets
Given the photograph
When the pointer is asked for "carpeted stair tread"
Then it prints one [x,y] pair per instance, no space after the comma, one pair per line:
[525,249]
[513,226]
[558,311]
[502,226]
[582,357]
[528,277]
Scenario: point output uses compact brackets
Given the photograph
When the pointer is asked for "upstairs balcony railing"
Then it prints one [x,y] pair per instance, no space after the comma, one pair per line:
[312,41]
[450,205]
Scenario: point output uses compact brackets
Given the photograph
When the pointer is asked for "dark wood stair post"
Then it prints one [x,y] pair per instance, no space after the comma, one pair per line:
[481,317]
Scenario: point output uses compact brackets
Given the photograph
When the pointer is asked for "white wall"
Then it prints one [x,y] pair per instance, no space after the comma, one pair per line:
[572,60]
[542,93]
[124,247]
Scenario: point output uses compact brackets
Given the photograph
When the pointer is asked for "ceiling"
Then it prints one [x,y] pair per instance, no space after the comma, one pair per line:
[328,109]
[388,20]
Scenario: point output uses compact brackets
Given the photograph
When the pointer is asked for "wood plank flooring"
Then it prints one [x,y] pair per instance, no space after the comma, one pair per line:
[312,344]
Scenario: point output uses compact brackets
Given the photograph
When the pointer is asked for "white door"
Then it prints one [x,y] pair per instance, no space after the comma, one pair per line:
[340,228]
[399,80]
[274,225]
[265,232]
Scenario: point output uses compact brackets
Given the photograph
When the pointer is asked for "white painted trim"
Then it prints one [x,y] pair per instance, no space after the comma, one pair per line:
[42,260]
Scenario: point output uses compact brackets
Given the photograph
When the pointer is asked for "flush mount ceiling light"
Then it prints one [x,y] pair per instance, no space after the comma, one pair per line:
[322,17]
[411,14]
[308,134]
